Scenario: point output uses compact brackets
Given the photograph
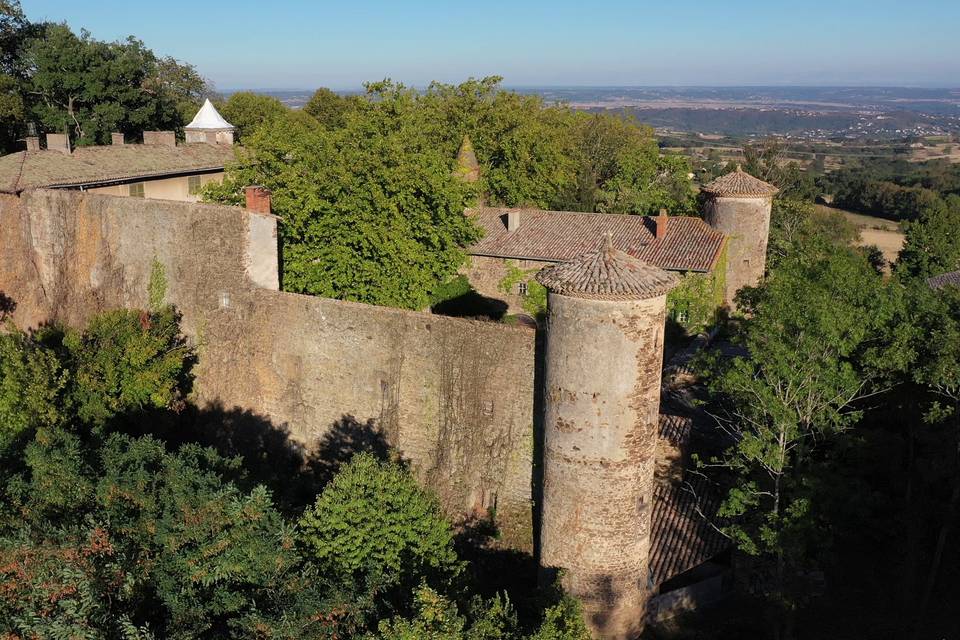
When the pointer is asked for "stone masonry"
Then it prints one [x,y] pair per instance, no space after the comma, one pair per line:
[603,358]
[739,205]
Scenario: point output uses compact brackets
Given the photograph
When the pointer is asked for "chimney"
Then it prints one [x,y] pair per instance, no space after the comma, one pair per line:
[166,138]
[258,199]
[661,224]
[58,142]
[513,220]
[116,138]
[33,143]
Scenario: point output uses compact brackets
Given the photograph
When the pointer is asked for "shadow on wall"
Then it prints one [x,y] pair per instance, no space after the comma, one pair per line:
[293,473]
[472,305]
[7,306]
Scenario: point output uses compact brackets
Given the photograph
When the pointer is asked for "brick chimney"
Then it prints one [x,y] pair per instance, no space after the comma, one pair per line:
[513,220]
[58,142]
[33,143]
[258,199]
[116,138]
[661,224]
[165,138]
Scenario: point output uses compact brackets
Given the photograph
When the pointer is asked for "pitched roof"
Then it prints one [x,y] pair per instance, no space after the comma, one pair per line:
[681,537]
[951,278]
[105,164]
[208,118]
[556,236]
[607,273]
[739,183]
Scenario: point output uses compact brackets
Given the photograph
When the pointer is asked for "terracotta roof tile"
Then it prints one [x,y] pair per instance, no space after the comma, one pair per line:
[607,273]
[944,279]
[680,537]
[740,183]
[690,244]
[109,163]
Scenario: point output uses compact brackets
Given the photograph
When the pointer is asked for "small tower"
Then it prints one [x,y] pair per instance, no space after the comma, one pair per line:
[602,362]
[467,169]
[209,126]
[739,205]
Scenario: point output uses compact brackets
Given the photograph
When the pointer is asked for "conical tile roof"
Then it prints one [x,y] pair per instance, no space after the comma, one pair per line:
[208,118]
[740,183]
[606,273]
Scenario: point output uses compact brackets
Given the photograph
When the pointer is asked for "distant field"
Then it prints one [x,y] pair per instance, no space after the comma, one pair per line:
[880,232]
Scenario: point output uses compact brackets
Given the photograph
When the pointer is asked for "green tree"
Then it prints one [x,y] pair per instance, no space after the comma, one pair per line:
[373,523]
[932,244]
[126,361]
[329,108]
[767,160]
[92,88]
[31,381]
[822,332]
[371,211]
[247,111]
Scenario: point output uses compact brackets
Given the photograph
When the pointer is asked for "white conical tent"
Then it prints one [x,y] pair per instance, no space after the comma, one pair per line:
[208,118]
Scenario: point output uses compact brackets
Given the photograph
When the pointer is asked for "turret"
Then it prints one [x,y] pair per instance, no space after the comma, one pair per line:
[739,205]
[602,361]
[209,126]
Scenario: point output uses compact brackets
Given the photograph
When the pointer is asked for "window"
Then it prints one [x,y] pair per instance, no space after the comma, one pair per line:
[193,185]
[136,190]
[682,316]
[522,288]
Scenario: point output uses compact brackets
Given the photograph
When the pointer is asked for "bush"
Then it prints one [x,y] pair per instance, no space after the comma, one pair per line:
[126,361]
[374,523]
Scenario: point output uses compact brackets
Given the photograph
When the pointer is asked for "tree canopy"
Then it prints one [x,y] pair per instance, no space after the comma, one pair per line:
[369,195]
[64,82]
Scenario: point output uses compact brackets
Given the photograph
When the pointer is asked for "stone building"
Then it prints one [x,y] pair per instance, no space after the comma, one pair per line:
[739,206]
[718,254]
[601,388]
[160,168]
[517,243]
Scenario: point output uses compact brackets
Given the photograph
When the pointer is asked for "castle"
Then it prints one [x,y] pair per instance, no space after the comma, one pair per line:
[562,438]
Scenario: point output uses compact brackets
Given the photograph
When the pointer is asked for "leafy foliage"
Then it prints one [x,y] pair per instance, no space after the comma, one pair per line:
[93,88]
[822,332]
[104,534]
[368,189]
[932,243]
[371,211]
[247,111]
[126,361]
[374,522]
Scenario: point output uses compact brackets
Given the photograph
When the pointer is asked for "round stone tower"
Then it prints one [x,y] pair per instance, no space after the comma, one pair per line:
[739,205]
[603,356]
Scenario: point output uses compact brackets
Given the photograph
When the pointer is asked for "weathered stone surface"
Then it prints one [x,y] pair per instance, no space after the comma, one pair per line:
[454,396]
[746,222]
[601,398]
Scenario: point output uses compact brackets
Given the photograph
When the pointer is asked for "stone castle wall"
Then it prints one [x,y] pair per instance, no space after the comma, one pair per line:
[455,397]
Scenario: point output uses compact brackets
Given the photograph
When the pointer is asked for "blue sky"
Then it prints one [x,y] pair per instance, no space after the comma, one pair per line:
[287,44]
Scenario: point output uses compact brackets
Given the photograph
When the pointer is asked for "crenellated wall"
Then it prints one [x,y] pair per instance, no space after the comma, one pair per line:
[454,396]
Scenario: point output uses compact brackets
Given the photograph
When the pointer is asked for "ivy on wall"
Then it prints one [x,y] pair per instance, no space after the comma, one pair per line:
[694,303]
[535,299]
